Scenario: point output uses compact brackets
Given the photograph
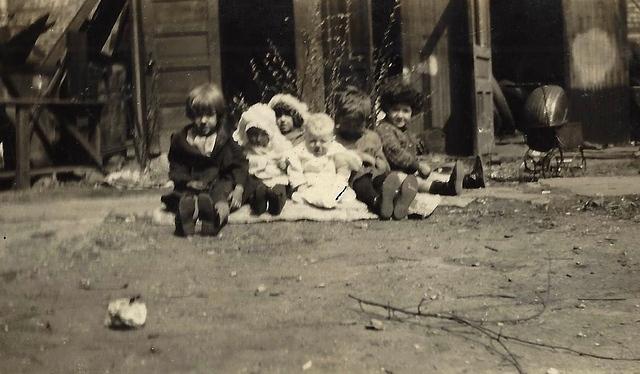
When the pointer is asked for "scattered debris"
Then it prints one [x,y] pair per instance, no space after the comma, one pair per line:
[85,284]
[126,313]
[307,365]
[581,306]
[581,335]
[375,324]
[261,289]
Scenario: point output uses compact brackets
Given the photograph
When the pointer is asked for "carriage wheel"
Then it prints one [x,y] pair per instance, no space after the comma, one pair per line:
[552,163]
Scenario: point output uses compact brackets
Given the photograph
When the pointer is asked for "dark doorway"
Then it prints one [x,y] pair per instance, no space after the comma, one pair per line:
[250,29]
[387,37]
[527,41]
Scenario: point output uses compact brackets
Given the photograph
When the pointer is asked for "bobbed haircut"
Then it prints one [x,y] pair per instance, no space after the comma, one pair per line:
[397,92]
[352,103]
[205,99]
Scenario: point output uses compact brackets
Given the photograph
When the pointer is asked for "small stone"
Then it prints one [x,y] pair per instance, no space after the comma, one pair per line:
[233,274]
[596,344]
[6,328]
[261,288]
[417,347]
[154,349]
[553,371]
[581,306]
[475,264]
[321,285]
[299,279]
[307,365]
[581,335]
[126,312]
[85,284]
[375,324]
[433,297]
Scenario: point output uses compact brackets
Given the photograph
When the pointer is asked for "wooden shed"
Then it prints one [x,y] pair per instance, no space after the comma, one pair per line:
[580,45]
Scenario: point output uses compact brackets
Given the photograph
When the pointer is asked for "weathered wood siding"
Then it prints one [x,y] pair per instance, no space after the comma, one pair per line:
[436,54]
[182,50]
[597,67]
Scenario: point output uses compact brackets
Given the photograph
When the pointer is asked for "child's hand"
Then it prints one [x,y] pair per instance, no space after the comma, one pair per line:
[367,159]
[197,185]
[283,163]
[424,169]
[421,148]
[235,197]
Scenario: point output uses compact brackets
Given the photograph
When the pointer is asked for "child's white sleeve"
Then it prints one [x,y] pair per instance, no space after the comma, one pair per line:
[295,170]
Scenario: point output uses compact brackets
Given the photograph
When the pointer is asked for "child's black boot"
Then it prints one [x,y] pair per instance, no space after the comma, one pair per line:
[206,214]
[276,197]
[452,187]
[259,201]
[185,220]
[475,179]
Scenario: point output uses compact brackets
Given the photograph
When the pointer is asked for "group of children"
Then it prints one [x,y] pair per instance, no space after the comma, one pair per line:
[280,151]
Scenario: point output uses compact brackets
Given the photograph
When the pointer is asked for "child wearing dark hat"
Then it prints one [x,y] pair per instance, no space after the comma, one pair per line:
[386,193]
[207,167]
[290,116]
[399,101]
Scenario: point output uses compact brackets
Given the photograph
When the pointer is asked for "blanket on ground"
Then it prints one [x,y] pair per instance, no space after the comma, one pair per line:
[422,207]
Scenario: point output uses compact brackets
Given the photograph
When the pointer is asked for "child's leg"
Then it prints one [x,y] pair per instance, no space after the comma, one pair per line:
[365,191]
[214,208]
[388,184]
[277,198]
[255,193]
[185,215]
[405,197]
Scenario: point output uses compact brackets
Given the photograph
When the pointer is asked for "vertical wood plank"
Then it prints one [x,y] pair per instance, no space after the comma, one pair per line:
[214,42]
[23,142]
[309,52]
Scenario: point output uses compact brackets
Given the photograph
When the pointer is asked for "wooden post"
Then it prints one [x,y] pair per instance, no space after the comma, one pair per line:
[23,140]
[309,52]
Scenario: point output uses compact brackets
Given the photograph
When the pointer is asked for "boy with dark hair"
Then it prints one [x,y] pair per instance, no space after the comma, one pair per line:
[386,193]
[208,168]
[399,101]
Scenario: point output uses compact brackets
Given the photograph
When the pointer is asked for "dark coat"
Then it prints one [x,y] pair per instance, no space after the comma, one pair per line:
[226,165]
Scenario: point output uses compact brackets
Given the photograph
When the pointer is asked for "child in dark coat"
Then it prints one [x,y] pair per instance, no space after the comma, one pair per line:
[386,193]
[208,168]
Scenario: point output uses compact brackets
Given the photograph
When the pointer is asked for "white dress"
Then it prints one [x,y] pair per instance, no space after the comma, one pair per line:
[319,182]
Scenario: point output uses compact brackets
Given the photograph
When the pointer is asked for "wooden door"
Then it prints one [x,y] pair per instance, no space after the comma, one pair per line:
[482,100]
[181,51]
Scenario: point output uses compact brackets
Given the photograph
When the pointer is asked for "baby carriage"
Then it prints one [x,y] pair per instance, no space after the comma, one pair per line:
[549,135]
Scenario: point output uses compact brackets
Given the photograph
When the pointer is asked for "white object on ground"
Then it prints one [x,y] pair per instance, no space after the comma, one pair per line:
[126,312]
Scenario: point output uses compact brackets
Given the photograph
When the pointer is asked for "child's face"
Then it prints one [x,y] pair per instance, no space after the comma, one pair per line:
[285,123]
[399,115]
[206,123]
[257,137]
[349,127]
[318,144]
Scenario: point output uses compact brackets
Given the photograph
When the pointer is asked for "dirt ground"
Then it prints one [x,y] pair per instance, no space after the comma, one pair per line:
[562,271]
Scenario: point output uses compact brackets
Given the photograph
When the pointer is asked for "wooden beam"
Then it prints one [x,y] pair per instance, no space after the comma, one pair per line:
[309,52]
[23,142]
[214,42]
